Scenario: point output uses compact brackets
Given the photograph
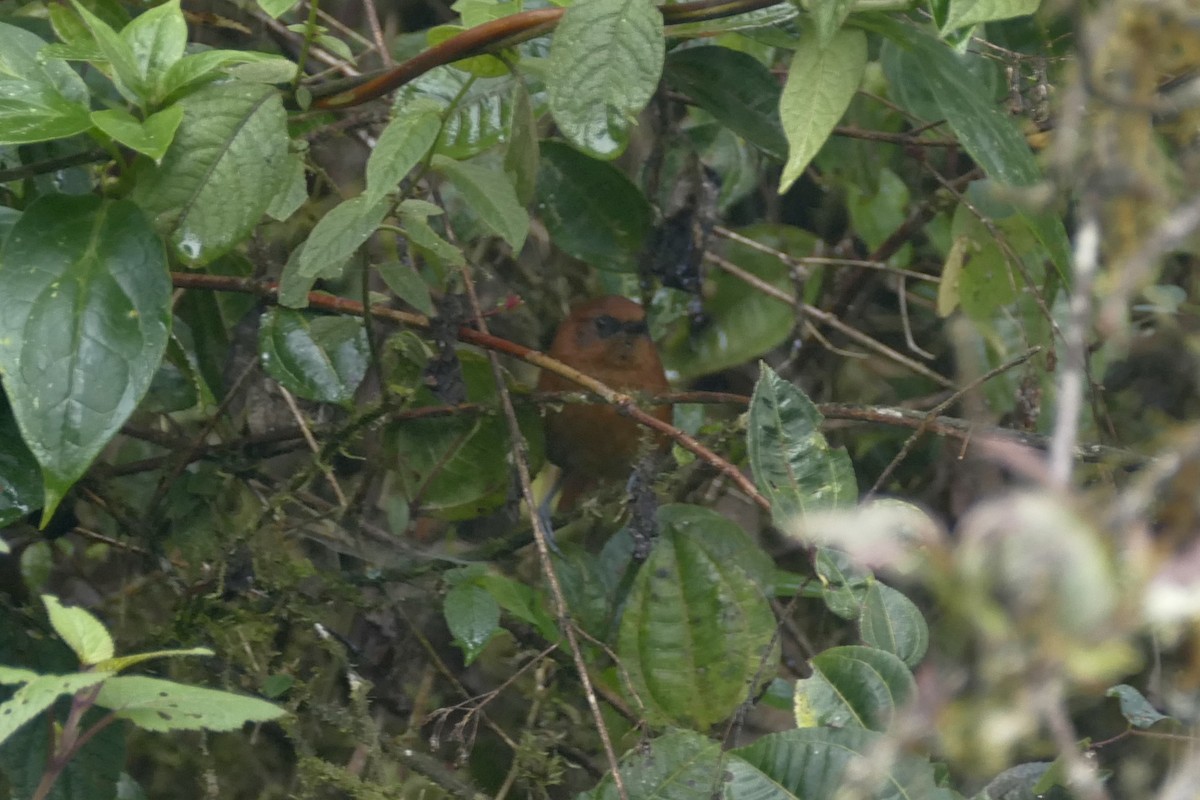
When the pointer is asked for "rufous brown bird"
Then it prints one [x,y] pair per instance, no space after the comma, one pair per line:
[607,339]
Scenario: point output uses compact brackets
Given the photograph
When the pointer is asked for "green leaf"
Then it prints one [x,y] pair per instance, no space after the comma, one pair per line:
[38,695]
[315,357]
[159,705]
[592,211]
[40,100]
[156,38]
[426,240]
[196,68]
[697,634]
[329,246]
[990,137]
[736,89]
[404,142]
[793,465]
[152,136]
[20,475]
[821,762]
[521,157]
[605,63]
[276,8]
[829,16]
[123,67]
[853,687]
[892,622]
[680,765]
[972,12]
[82,632]
[226,165]
[1135,707]
[845,584]
[122,663]
[820,85]
[408,285]
[473,617]
[294,192]
[491,196]
[477,112]
[84,321]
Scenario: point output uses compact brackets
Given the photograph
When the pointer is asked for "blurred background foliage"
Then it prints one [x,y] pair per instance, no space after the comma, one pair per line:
[927,273]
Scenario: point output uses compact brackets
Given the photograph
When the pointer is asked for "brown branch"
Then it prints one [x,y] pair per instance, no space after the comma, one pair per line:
[495,35]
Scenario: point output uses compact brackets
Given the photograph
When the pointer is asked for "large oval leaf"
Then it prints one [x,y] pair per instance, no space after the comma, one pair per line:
[605,63]
[696,636]
[316,357]
[84,320]
[859,687]
[820,85]
[592,211]
[227,163]
[793,465]
[736,89]
[817,762]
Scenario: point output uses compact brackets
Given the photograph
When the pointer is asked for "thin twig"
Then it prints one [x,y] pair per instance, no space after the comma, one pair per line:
[1073,364]
[541,537]
[939,408]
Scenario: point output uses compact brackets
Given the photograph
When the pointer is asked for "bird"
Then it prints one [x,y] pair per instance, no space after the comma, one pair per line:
[606,339]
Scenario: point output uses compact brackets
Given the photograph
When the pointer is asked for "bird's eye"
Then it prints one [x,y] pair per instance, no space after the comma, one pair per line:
[607,326]
[637,328]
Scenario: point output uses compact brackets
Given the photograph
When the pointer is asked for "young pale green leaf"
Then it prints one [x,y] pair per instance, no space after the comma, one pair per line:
[473,617]
[679,765]
[159,705]
[792,463]
[38,694]
[972,12]
[697,633]
[428,242]
[196,68]
[84,321]
[828,16]
[40,99]
[408,285]
[123,67]
[20,475]
[226,165]
[329,246]
[477,112]
[315,357]
[891,622]
[853,687]
[736,89]
[156,38]
[404,142]
[521,156]
[151,136]
[491,196]
[276,8]
[605,63]
[122,663]
[10,676]
[82,632]
[592,211]
[820,762]
[988,135]
[293,192]
[821,83]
